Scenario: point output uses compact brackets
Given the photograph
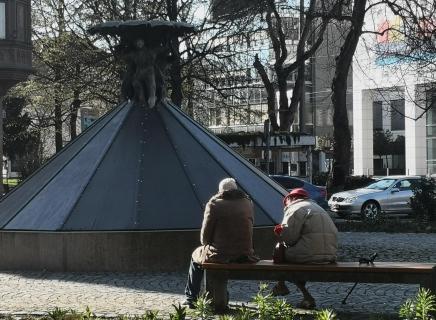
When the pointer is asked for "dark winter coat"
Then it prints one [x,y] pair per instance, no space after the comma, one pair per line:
[227,230]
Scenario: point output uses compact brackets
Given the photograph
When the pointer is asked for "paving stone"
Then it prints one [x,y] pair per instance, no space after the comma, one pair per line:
[113,293]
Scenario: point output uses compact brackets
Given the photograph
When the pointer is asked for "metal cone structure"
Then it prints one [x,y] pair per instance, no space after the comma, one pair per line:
[136,169]
[128,194]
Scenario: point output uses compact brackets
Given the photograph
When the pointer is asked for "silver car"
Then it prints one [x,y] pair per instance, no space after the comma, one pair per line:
[387,195]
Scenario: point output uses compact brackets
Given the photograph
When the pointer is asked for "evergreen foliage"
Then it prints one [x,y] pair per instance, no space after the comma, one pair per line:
[423,201]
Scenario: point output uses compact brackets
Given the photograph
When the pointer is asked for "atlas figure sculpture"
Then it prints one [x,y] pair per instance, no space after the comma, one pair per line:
[146,49]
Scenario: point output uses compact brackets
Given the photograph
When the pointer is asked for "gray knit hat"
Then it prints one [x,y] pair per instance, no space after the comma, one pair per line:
[227,184]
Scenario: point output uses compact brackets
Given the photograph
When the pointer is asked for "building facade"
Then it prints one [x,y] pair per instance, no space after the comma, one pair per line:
[15,42]
[393,95]
[15,51]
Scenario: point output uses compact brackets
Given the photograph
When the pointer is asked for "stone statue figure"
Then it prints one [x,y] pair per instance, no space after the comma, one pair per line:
[144,82]
[144,79]
[163,60]
[145,49]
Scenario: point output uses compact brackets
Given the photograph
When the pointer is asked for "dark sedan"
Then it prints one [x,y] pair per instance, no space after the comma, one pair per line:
[316,193]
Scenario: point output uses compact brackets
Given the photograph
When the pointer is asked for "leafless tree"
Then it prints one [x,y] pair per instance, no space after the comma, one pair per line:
[314,19]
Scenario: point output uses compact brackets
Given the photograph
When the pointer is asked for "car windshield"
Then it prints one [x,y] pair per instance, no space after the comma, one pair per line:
[381,184]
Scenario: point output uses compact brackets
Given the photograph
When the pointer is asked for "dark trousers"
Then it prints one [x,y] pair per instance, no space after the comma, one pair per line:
[193,286]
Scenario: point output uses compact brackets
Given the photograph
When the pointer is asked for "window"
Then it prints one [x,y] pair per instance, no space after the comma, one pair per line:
[397,114]
[382,184]
[2,20]
[431,131]
[407,184]
[377,115]
[431,113]
[431,149]
[285,167]
[290,26]
[403,185]
[21,23]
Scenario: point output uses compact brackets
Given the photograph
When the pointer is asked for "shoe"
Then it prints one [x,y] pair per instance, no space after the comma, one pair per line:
[307,304]
[280,290]
[188,303]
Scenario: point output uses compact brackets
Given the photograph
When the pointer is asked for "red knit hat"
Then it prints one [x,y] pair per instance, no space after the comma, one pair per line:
[299,193]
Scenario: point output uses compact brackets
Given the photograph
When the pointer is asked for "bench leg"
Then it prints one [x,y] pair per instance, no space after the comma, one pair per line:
[431,284]
[216,288]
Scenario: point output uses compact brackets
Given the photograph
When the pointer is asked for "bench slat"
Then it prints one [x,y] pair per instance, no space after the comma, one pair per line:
[218,274]
[268,265]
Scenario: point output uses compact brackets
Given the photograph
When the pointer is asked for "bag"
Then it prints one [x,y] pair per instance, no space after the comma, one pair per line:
[279,252]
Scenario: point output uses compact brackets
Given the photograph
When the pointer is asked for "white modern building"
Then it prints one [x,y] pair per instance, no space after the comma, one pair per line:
[393,133]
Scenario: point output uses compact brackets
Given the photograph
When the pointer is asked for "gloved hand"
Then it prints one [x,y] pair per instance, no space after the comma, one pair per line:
[278,229]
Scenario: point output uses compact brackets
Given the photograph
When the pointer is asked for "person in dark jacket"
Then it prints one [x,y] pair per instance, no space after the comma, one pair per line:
[226,234]
[310,237]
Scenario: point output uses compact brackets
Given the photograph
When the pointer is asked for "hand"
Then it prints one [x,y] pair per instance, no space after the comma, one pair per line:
[278,229]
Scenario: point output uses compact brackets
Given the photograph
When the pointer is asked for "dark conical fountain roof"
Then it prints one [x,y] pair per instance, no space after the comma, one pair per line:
[136,169]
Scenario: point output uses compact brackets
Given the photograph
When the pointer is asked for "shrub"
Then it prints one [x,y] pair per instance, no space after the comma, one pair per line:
[180,313]
[420,308]
[326,314]
[58,313]
[203,307]
[244,313]
[320,179]
[269,307]
[423,201]
[150,315]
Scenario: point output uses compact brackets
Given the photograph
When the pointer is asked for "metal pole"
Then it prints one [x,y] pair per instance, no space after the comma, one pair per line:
[267,134]
[309,164]
[1,146]
[344,301]
[301,70]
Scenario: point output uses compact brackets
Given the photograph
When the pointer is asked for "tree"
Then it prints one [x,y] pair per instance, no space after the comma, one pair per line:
[20,140]
[341,129]
[69,70]
[313,23]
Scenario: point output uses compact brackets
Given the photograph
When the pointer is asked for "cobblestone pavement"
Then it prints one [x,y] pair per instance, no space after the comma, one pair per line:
[132,293]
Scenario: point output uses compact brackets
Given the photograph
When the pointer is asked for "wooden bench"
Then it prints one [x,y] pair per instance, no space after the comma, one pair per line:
[218,274]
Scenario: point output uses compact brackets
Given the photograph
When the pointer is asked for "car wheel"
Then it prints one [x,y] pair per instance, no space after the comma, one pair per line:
[371,211]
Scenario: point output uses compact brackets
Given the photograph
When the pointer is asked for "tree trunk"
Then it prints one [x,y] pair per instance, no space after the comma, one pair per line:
[58,103]
[75,106]
[296,97]
[270,92]
[58,125]
[176,74]
[175,68]
[341,129]
[283,100]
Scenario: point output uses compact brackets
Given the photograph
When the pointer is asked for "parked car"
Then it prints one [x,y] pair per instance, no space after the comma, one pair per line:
[387,195]
[316,193]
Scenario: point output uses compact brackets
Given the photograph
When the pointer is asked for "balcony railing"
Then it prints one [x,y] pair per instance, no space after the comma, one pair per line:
[236,128]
